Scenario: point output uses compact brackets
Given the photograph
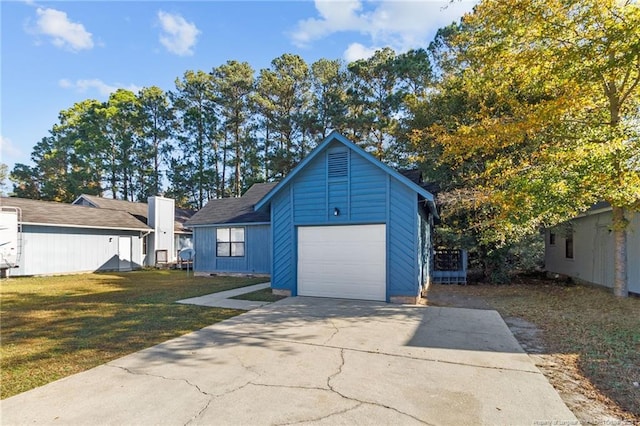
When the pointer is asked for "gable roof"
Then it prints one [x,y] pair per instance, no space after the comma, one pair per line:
[37,212]
[234,210]
[334,136]
[139,210]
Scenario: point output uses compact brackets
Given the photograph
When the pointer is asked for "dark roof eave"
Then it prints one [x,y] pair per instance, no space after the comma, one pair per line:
[75,225]
[219,224]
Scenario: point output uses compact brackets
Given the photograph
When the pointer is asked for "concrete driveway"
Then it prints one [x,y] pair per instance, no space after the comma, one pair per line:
[316,361]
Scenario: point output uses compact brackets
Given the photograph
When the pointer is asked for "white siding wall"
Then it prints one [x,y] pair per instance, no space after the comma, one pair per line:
[593,251]
[8,238]
[161,219]
[48,250]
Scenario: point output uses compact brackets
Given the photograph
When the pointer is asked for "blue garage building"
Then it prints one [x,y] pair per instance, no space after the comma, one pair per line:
[345,225]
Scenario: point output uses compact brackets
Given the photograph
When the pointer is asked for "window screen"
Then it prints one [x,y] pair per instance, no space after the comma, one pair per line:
[230,242]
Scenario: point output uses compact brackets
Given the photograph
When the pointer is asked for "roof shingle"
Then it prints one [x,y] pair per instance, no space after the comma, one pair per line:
[234,210]
[139,210]
[62,214]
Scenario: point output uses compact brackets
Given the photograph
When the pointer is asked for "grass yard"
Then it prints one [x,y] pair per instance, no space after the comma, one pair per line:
[599,332]
[52,327]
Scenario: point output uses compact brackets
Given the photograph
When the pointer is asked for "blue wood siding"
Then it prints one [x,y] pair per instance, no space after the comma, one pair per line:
[257,258]
[50,250]
[402,240]
[360,197]
[284,257]
[309,194]
[366,195]
[368,191]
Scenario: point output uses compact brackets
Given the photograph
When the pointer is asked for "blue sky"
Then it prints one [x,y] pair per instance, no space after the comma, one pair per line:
[56,53]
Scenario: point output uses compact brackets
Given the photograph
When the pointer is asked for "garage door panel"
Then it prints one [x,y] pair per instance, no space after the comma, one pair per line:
[357,273]
[342,261]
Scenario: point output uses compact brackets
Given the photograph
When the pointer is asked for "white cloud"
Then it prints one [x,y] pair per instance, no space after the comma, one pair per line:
[63,32]
[104,89]
[357,51]
[8,150]
[178,35]
[335,16]
[401,25]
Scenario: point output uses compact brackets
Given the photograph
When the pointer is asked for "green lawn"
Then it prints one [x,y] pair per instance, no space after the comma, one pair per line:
[52,327]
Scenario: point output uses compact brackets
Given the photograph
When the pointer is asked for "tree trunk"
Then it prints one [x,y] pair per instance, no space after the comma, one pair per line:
[237,186]
[620,288]
[223,183]
[267,145]
[156,167]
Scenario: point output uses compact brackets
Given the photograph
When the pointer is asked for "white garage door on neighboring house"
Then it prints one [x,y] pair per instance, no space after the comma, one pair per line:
[346,262]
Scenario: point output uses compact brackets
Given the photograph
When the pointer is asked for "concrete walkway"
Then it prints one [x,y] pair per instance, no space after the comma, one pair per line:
[313,361]
[222,299]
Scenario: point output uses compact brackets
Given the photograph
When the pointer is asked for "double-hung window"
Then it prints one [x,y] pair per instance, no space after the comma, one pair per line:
[230,242]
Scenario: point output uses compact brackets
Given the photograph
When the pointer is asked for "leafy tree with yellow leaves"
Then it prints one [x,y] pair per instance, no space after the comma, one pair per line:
[546,116]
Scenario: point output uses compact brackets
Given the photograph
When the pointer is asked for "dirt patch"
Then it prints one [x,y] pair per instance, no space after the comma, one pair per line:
[582,398]
[563,371]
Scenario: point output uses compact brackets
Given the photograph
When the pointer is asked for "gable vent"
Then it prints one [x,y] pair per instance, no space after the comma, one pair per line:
[338,163]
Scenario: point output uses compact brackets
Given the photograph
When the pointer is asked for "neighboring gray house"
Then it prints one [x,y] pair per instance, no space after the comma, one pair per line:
[229,236]
[583,248]
[345,225]
[57,238]
[168,235]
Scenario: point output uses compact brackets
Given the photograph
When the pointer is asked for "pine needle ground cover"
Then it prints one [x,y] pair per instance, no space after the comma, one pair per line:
[52,327]
[599,332]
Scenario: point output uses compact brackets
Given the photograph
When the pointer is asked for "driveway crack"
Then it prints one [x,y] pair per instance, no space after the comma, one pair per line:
[270,385]
[334,375]
[488,367]
[315,419]
[359,401]
[336,330]
[193,385]
[135,373]
[248,368]
[199,413]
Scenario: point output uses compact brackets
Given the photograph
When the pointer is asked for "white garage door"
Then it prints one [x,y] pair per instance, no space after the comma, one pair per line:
[347,262]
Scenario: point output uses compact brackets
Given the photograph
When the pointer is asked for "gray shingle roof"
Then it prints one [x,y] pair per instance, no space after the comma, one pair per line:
[234,210]
[139,210]
[52,213]
[136,209]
